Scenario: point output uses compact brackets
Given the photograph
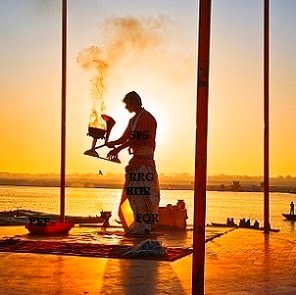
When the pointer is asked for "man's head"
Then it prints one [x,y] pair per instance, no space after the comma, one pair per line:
[132,101]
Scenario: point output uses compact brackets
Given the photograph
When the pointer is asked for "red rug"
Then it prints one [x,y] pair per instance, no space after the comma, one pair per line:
[84,249]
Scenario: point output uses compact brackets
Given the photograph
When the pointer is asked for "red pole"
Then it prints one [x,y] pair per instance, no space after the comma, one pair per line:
[63,131]
[266,116]
[200,180]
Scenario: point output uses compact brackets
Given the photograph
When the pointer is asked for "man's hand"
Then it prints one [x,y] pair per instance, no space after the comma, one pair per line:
[113,154]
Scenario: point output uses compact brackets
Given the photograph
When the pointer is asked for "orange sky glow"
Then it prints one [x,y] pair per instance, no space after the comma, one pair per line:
[158,60]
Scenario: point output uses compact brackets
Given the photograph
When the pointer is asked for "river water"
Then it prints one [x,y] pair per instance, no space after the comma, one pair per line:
[90,201]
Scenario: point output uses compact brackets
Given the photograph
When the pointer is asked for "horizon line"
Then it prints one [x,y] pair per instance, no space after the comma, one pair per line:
[120,174]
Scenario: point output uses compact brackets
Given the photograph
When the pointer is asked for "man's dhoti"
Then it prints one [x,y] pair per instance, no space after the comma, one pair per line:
[134,207]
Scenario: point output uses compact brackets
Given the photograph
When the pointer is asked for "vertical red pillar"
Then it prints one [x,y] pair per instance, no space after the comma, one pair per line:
[63,119]
[200,180]
[266,116]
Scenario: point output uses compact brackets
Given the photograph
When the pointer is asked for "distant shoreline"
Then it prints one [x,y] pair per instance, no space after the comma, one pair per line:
[171,181]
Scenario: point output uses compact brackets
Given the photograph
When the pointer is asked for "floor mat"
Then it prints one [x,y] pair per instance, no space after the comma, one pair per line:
[85,249]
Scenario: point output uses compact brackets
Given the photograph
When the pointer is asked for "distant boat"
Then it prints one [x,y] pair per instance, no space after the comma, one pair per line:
[22,217]
[236,226]
[289,216]
[222,224]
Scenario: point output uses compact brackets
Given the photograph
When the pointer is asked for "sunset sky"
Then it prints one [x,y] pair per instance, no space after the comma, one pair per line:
[162,71]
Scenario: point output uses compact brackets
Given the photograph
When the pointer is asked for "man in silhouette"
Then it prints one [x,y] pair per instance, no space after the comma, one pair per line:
[141,186]
[291,208]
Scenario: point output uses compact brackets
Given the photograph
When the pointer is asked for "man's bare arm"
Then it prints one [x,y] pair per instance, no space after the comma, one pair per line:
[124,138]
[116,150]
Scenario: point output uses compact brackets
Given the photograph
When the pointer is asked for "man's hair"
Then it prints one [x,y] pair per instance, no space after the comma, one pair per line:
[133,97]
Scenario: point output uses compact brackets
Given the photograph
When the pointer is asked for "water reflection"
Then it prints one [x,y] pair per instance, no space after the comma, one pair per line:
[292,226]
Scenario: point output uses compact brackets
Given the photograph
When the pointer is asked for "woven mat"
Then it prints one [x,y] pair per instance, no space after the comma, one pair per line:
[85,249]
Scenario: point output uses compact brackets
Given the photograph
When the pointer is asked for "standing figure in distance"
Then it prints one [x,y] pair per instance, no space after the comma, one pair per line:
[291,208]
[141,193]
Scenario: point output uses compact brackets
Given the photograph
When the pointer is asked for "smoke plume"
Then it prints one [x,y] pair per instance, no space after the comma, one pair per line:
[122,36]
